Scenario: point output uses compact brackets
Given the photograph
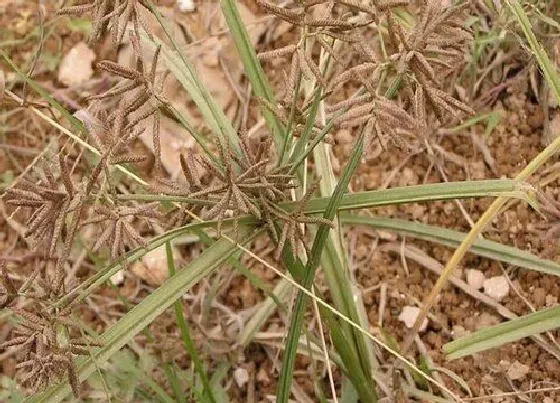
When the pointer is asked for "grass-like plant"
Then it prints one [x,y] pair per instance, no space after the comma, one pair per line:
[237,188]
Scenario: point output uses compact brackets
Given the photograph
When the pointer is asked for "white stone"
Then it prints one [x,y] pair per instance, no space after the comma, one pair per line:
[117,278]
[408,317]
[475,278]
[152,268]
[459,331]
[496,287]
[186,6]
[241,376]
[517,371]
[75,67]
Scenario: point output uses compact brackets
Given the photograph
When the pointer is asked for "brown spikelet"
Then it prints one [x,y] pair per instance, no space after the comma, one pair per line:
[327,46]
[360,6]
[313,68]
[7,288]
[157,141]
[65,175]
[423,65]
[127,159]
[353,72]
[331,22]
[304,66]
[189,171]
[443,101]
[393,109]
[73,376]
[75,10]
[420,106]
[294,16]
[271,54]
[292,78]
[396,32]
[348,103]
[118,70]
[384,5]
[355,112]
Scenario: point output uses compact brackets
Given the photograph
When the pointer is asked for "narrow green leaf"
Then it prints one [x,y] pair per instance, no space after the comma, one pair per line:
[286,374]
[378,198]
[346,348]
[419,193]
[186,74]
[548,68]
[300,153]
[253,69]
[481,247]
[171,375]
[150,308]
[184,328]
[495,336]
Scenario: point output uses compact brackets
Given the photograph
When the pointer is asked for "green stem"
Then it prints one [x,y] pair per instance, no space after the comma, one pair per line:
[185,331]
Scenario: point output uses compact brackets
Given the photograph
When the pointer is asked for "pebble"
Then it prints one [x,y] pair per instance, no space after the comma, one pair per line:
[75,67]
[485,320]
[551,300]
[262,376]
[408,317]
[536,119]
[459,331]
[552,131]
[186,6]
[539,296]
[475,278]
[496,287]
[117,278]
[152,268]
[517,371]
[241,376]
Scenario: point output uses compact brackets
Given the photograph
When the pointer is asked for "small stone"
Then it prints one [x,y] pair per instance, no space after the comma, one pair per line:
[475,278]
[408,177]
[496,287]
[486,320]
[517,371]
[117,278]
[408,317]
[152,268]
[241,376]
[387,235]
[551,300]
[459,331]
[536,119]
[478,170]
[75,67]
[539,296]
[186,6]
[552,130]
[548,400]
[262,376]
[504,365]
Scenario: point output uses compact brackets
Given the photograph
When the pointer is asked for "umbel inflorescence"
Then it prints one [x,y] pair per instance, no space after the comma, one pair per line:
[399,72]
